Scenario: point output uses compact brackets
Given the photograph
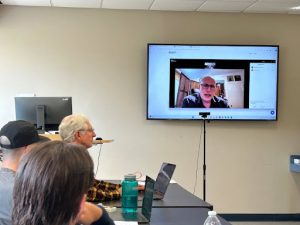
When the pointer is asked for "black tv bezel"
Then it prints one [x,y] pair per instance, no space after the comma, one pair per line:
[213,119]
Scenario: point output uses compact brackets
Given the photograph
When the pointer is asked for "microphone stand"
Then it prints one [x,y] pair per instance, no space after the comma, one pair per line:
[204,117]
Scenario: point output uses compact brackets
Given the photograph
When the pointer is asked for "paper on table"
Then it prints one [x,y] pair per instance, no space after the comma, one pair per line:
[143,182]
[125,223]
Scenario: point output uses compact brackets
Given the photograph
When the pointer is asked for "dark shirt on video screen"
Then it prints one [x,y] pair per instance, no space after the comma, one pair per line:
[195,101]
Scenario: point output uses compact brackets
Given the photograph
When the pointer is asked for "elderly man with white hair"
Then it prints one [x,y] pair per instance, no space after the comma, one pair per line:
[77,129]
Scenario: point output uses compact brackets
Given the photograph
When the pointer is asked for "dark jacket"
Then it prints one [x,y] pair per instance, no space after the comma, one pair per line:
[195,101]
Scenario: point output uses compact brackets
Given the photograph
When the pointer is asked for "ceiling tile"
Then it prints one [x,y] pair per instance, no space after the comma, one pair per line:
[127,4]
[225,6]
[280,1]
[77,3]
[274,7]
[248,6]
[27,2]
[177,5]
[248,1]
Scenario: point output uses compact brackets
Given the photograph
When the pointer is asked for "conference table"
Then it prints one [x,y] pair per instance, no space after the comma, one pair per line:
[179,207]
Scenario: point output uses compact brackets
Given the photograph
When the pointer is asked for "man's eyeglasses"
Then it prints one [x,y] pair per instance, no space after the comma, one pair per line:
[206,86]
[89,130]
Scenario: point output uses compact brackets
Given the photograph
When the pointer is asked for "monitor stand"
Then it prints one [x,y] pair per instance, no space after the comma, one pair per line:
[40,117]
[204,117]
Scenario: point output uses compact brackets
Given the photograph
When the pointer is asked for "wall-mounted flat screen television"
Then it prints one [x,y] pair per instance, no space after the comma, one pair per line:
[230,82]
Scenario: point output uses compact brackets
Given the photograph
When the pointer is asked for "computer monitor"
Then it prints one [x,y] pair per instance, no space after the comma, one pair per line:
[45,113]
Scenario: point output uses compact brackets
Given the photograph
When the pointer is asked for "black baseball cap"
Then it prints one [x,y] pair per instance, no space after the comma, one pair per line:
[17,134]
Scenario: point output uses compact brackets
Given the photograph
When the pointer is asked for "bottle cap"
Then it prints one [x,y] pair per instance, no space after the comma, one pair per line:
[130,176]
[212,213]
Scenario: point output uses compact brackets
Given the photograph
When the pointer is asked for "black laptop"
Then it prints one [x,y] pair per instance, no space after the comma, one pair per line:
[141,215]
[162,181]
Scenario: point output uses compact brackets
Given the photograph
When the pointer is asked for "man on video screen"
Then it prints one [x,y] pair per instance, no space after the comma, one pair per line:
[205,98]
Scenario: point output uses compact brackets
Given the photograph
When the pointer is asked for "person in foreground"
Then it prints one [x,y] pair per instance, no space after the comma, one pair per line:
[206,97]
[51,185]
[17,138]
[77,129]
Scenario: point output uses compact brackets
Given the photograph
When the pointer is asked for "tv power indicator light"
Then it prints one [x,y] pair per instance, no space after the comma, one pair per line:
[272,112]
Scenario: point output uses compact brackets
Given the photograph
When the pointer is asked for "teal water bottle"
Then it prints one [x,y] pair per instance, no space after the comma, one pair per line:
[129,194]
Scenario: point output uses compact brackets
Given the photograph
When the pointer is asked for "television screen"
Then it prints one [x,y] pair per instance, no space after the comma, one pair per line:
[229,82]
[45,113]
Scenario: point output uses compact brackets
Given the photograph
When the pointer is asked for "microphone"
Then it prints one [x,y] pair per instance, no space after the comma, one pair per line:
[99,140]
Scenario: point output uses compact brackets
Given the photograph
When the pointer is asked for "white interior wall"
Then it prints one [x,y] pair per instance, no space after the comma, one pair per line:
[99,58]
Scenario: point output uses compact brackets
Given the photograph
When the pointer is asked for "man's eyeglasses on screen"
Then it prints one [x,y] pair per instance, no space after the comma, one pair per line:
[206,86]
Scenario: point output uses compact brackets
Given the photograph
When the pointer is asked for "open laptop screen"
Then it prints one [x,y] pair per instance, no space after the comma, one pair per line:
[163,178]
[148,197]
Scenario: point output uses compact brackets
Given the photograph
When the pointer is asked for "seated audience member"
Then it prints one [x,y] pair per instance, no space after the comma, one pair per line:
[77,129]
[16,139]
[51,185]
[206,97]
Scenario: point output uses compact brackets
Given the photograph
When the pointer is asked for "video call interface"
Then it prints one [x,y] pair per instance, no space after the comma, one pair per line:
[245,78]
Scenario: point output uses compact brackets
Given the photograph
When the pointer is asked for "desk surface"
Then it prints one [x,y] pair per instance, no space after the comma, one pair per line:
[181,216]
[176,197]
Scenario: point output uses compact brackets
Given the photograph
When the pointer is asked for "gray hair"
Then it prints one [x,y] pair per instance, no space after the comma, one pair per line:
[205,77]
[70,125]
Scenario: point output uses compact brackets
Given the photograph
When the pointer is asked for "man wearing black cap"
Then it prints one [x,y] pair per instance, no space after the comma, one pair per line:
[16,138]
